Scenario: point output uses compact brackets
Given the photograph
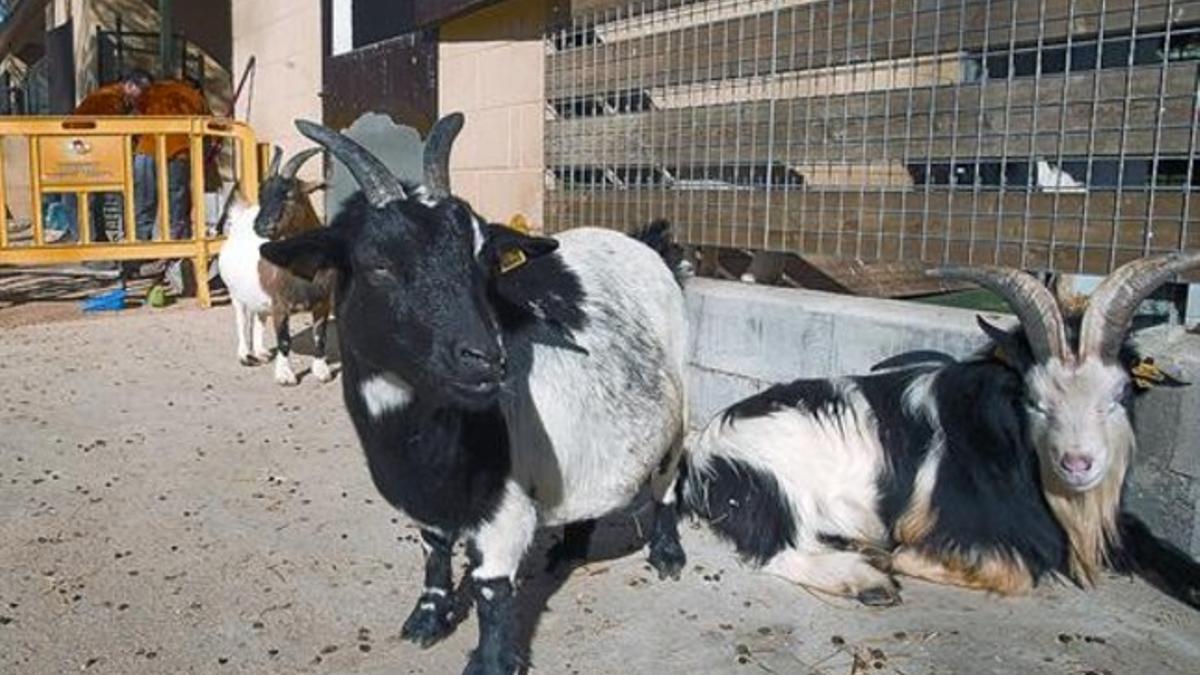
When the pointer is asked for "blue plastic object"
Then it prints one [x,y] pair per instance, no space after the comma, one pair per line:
[111,301]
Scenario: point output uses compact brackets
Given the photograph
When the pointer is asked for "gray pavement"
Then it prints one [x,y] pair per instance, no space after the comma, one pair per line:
[165,510]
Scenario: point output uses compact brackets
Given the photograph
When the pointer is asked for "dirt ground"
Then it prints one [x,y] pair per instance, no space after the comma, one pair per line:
[165,510]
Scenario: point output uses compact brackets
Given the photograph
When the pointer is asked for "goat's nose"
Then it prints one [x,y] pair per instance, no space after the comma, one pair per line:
[481,361]
[1076,463]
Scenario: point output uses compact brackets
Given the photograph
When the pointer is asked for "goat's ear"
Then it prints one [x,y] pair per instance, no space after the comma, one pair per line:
[506,249]
[309,253]
[1007,347]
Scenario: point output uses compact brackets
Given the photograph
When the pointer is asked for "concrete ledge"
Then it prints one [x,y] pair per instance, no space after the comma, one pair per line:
[745,338]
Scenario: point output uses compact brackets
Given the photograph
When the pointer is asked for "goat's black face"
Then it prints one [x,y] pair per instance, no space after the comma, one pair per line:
[438,331]
[281,201]
[412,301]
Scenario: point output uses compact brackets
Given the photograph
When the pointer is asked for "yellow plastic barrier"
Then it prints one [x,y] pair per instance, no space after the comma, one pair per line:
[86,155]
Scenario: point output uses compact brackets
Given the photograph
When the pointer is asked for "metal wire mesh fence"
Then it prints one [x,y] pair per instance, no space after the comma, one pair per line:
[1049,134]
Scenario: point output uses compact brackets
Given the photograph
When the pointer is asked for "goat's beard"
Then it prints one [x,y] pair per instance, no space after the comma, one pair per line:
[1089,517]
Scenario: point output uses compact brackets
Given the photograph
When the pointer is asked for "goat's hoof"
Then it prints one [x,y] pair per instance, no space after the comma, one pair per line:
[668,559]
[879,596]
[261,357]
[248,360]
[322,371]
[504,663]
[427,627]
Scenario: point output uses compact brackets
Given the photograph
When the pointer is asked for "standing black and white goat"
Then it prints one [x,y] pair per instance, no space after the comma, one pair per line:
[257,287]
[497,381]
[989,473]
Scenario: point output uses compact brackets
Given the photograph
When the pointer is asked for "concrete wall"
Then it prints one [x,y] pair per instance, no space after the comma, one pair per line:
[285,36]
[491,66]
[746,337]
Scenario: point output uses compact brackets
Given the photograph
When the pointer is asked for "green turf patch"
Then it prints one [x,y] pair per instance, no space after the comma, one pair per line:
[979,300]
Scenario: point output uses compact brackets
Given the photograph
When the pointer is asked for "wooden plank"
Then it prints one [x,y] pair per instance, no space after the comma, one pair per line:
[1067,232]
[824,34]
[1021,118]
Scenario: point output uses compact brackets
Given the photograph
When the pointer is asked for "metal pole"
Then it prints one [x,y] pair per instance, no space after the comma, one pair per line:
[166,31]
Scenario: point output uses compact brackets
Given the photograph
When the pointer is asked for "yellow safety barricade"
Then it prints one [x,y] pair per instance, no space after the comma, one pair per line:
[88,155]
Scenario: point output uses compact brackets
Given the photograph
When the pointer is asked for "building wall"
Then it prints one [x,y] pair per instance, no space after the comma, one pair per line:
[285,37]
[491,66]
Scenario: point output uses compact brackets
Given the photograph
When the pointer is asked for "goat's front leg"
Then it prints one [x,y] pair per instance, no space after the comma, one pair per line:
[433,618]
[241,319]
[258,329]
[283,347]
[320,366]
[500,543]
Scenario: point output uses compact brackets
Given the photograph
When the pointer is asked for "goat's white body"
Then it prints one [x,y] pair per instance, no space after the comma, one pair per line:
[239,261]
[827,469]
[583,441]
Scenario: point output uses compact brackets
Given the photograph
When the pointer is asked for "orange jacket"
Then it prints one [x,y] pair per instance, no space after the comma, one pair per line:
[169,97]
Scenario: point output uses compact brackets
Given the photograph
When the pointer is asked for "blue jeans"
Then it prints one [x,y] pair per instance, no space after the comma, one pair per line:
[145,196]
[70,210]
[145,200]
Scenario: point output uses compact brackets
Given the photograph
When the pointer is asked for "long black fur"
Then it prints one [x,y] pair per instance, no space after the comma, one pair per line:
[742,505]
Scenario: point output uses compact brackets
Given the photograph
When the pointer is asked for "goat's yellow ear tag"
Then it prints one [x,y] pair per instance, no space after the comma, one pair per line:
[511,260]
[999,355]
[1146,374]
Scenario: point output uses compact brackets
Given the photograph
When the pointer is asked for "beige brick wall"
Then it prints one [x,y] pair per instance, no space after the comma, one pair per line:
[491,66]
[285,36]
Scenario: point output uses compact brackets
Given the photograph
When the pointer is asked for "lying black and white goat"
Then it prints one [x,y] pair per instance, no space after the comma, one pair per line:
[990,473]
[497,381]
[258,288]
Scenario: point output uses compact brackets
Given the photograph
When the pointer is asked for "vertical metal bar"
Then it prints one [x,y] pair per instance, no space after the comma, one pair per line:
[1091,143]
[1034,134]
[803,245]
[35,187]
[690,194]
[980,121]
[199,221]
[645,194]
[1156,150]
[787,243]
[196,157]
[865,158]
[909,146]
[1068,68]
[84,212]
[705,193]
[166,34]
[737,222]
[163,191]
[850,68]
[950,215]
[127,195]
[719,221]
[1122,149]
[886,154]
[1190,174]
[3,204]
[1004,157]
[775,93]
[930,133]
[827,66]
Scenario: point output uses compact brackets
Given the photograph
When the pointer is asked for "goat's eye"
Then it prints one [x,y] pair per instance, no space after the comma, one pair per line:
[380,272]
[1036,407]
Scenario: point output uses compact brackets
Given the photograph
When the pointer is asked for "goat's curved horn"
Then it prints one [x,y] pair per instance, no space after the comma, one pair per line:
[378,183]
[1114,302]
[276,157]
[1034,304]
[437,153]
[293,165]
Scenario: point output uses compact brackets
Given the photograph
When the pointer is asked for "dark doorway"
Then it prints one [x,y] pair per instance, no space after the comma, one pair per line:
[376,60]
